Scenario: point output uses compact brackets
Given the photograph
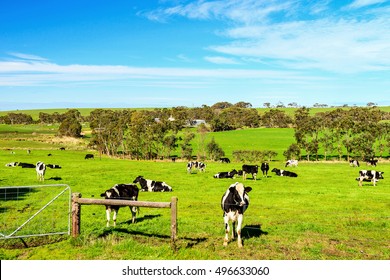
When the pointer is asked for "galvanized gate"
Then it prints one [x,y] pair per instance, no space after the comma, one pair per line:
[27,211]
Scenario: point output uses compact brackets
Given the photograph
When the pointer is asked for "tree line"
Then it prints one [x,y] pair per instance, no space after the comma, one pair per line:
[146,134]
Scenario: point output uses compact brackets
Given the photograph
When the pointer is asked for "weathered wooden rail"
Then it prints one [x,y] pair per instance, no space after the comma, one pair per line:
[77,201]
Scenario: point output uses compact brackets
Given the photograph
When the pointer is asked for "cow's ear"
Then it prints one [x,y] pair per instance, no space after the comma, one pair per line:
[248,189]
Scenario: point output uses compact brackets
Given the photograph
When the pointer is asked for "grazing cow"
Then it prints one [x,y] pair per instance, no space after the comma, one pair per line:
[121,191]
[53,166]
[234,203]
[40,167]
[224,160]
[286,173]
[369,175]
[229,174]
[201,166]
[148,185]
[291,162]
[26,165]
[354,163]
[62,148]
[12,164]
[252,169]
[264,168]
[372,162]
[88,156]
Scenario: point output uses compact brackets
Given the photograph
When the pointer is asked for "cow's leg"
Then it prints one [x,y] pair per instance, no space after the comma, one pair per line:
[108,214]
[239,225]
[227,228]
[133,213]
[114,217]
[360,181]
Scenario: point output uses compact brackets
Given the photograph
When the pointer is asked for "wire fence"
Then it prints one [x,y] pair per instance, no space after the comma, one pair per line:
[27,211]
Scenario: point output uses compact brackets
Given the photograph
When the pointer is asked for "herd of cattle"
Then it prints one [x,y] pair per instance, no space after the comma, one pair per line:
[234,201]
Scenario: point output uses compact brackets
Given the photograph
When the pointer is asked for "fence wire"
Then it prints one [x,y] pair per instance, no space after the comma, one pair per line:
[27,211]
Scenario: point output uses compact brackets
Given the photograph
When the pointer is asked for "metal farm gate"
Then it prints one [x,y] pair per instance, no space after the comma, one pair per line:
[28,211]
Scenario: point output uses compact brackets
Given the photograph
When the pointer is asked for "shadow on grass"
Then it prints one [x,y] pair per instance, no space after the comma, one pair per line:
[189,242]
[251,231]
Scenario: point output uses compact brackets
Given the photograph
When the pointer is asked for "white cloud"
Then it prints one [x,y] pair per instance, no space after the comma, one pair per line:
[221,60]
[364,3]
[41,73]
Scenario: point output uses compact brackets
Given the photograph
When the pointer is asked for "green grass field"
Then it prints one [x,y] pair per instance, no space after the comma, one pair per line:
[321,215]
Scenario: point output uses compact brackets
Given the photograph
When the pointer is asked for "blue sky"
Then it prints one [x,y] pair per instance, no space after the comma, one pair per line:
[138,53]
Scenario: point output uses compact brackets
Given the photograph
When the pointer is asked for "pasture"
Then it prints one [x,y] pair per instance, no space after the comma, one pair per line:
[322,214]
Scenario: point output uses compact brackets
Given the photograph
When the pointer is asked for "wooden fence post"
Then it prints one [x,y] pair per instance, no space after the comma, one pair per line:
[173,221]
[76,214]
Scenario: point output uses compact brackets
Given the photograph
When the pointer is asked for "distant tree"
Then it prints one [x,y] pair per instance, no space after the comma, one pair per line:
[222,105]
[293,152]
[267,105]
[70,127]
[214,150]
[243,104]
[276,118]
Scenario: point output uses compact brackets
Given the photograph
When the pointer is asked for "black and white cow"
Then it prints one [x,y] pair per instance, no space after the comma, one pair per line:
[148,185]
[234,203]
[285,173]
[89,156]
[230,174]
[53,166]
[251,169]
[224,160]
[372,162]
[291,162]
[121,191]
[40,167]
[12,164]
[201,166]
[369,176]
[354,163]
[264,168]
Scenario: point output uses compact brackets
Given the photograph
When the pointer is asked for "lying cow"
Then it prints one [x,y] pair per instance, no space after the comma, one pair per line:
[12,164]
[286,173]
[89,156]
[230,174]
[292,162]
[369,176]
[148,185]
[252,169]
[201,166]
[40,167]
[120,191]
[354,163]
[53,166]
[264,168]
[234,203]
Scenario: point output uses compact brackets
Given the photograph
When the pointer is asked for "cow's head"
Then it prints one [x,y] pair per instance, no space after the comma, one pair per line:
[138,179]
[239,193]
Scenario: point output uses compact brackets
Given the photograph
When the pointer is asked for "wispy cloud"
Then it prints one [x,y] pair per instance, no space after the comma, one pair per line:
[42,72]
[364,3]
[221,60]
[307,37]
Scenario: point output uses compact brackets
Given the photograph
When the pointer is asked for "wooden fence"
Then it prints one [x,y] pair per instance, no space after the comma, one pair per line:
[77,201]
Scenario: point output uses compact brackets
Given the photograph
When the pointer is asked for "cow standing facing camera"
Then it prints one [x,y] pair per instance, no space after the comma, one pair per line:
[234,203]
